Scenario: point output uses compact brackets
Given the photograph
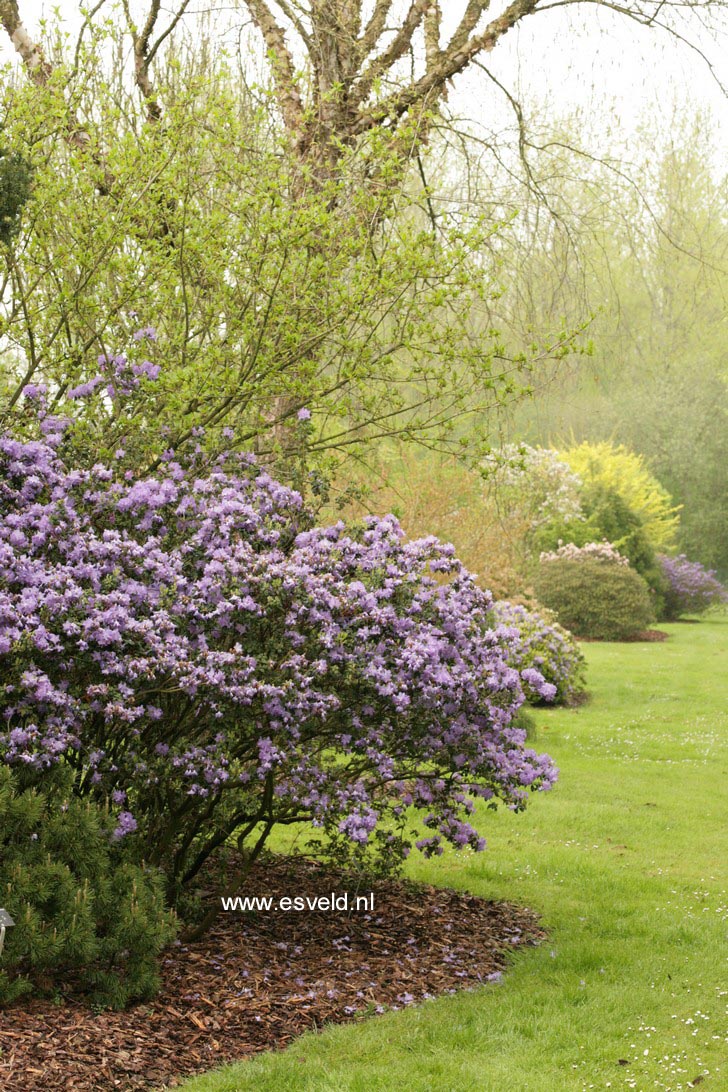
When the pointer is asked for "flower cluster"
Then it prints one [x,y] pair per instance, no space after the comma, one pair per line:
[117,375]
[692,589]
[534,643]
[592,551]
[207,662]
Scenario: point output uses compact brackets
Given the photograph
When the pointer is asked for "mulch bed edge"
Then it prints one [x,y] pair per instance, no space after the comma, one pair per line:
[257,981]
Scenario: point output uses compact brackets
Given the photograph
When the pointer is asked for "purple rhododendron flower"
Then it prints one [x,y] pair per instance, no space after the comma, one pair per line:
[85,389]
[126,824]
[151,371]
[34,392]
[147,333]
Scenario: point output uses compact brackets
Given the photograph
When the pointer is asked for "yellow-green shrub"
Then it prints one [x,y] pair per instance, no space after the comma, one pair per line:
[615,469]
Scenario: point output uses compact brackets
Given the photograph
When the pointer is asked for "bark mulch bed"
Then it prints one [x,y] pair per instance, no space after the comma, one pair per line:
[256,981]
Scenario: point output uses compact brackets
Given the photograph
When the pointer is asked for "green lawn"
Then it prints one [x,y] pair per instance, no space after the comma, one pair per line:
[626,860]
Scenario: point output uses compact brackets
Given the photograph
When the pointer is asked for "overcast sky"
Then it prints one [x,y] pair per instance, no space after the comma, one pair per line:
[608,68]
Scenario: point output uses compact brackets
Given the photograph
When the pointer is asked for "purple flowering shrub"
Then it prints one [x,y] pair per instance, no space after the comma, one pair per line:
[534,643]
[208,665]
[691,588]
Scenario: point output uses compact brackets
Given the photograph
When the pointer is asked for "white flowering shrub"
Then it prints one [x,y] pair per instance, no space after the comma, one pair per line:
[535,484]
[593,551]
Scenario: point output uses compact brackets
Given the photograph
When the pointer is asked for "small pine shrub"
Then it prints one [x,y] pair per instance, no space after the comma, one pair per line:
[86,916]
[16,174]
[596,599]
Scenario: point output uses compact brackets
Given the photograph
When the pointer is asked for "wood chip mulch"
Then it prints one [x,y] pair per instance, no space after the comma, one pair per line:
[258,980]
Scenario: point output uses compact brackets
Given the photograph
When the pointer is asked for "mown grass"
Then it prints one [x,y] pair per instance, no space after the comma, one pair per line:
[626,860]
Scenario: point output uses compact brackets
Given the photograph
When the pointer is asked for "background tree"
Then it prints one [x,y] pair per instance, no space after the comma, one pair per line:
[342,68]
[649,262]
[165,153]
[329,310]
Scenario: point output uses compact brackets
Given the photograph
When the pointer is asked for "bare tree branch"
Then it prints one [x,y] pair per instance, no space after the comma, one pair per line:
[471,17]
[144,51]
[30,52]
[282,66]
[168,30]
[396,49]
[140,40]
[87,21]
[433,23]
[650,19]
[450,64]
[375,27]
[297,22]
